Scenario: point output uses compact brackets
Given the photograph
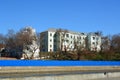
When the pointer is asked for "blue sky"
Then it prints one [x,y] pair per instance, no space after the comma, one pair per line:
[75,15]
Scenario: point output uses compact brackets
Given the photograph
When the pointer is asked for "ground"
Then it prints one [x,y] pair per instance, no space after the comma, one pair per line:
[7,58]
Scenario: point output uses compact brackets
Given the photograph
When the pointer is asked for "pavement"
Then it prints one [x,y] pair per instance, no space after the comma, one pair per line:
[46,69]
[115,78]
[6,72]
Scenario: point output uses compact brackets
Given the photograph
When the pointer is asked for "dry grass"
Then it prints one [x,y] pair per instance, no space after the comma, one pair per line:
[7,58]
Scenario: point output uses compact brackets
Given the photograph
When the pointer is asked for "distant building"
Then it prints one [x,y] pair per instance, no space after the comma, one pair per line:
[56,39]
[94,41]
[69,40]
[47,40]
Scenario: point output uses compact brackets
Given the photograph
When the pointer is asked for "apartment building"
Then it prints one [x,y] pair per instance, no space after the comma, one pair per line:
[56,39]
[47,40]
[69,40]
[94,41]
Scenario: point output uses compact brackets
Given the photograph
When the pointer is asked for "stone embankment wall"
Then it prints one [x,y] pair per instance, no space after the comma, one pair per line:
[59,73]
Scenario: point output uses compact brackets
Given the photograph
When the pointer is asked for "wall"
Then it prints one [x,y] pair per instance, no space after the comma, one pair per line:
[67,77]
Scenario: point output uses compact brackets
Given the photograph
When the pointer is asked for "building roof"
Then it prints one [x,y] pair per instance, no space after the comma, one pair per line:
[94,34]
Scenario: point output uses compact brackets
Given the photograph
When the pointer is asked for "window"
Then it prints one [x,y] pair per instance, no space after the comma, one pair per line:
[50,34]
[50,50]
[50,45]
[54,46]
[80,37]
[93,38]
[50,40]
[93,42]
[74,37]
[71,42]
[67,35]
[97,38]
[54,40]
[55,35]
[71,36]
[80,42]
[67,41]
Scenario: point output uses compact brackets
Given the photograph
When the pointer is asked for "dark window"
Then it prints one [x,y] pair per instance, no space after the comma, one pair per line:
[93,43]
[50,34]
[50,40]
[50,50]
[71,36]
[50,45]
[67,40]
[93,38]
[67,35]
[54,46]
[80,37]
[54,40]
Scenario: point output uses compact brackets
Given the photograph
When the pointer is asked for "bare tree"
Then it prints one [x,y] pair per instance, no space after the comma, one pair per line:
[61,34]
[116,42]
[2,39]
[15,42]
[10,40]
[28,42]
[78,48]
[105,46]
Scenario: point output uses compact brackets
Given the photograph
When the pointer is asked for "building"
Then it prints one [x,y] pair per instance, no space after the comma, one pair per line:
[59,39]
[47,40]
[68,40]
[94,41]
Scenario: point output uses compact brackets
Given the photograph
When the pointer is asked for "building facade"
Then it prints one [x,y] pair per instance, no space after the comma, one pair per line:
[58,39]
[47,40]
[94,41]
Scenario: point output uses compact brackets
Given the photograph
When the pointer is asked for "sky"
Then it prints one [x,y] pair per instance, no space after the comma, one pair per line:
[75,15]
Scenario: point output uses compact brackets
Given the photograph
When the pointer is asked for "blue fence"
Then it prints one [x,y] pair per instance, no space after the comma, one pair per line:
[57,63]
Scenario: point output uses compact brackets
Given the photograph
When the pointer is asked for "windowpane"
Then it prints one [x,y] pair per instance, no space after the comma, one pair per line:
[93,43]
[93,38]
[50,40]
[50,45]
[67,35]
[50,34]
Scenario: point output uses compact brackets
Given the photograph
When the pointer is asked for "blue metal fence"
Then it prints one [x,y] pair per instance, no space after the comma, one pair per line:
[57,63]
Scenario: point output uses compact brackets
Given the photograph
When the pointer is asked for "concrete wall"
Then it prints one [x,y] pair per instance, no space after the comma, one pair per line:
[68,77]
